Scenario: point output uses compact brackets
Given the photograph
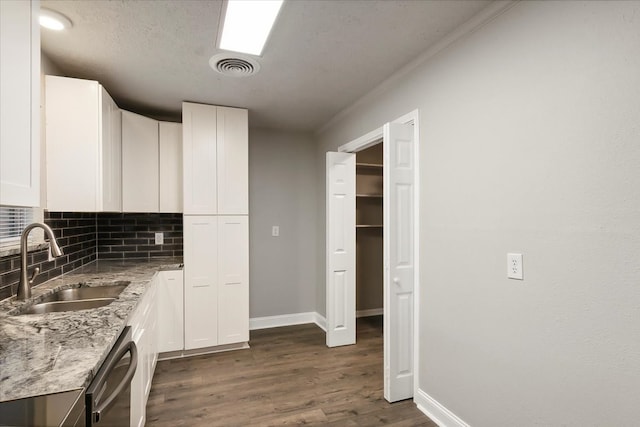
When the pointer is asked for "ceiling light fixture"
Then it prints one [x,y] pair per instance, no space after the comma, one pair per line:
[54,20]
[247,24]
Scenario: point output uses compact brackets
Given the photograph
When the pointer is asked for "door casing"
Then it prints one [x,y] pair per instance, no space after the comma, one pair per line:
[366,141]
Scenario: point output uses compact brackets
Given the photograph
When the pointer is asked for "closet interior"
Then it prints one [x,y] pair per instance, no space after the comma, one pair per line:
[369,248]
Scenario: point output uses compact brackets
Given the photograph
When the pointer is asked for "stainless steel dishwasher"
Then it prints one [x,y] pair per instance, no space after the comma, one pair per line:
[108,398]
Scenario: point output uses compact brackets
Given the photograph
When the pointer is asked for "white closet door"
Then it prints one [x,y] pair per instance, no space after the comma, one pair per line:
[199,158]
[140,175]
[233,161]
[170,143]
[341,248]
[233,279]
[399,280]
[200,277]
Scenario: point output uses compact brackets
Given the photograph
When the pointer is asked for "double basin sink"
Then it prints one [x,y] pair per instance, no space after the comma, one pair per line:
[73,299]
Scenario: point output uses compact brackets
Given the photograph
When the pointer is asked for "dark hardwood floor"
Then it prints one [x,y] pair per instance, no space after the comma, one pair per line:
[288,377]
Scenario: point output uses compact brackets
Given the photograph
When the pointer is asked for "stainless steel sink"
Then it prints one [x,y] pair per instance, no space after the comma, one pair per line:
[55,306]
[75,294]
[74,299]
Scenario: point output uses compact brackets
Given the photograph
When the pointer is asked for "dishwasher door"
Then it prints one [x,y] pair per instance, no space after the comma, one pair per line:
[108,398]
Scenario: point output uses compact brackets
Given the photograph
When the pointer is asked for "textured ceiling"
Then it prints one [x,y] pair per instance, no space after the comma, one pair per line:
[321,56]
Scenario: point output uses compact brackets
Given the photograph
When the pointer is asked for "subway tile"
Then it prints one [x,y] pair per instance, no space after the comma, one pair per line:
[133,255]
[5,264]
[5,292]
[116,255]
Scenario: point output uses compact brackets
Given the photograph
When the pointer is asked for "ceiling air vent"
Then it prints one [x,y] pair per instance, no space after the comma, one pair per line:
[234,66]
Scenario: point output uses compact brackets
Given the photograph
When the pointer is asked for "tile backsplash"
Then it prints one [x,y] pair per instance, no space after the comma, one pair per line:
[76,234]
[85,237]
[132,235]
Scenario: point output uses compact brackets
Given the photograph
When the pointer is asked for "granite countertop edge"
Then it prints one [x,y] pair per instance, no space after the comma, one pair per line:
[56,352]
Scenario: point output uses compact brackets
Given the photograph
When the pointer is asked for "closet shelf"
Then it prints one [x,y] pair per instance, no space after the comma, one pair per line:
[368,166]
[368,226]
[369,195]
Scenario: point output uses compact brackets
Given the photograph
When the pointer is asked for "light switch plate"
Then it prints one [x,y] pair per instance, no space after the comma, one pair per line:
[275,231]
[514,266]
[159,238]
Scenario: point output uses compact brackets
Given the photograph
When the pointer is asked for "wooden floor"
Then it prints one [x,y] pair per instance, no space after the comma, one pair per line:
[288,377]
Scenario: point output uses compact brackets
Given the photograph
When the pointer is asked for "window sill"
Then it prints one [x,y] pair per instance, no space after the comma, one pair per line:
[15,250]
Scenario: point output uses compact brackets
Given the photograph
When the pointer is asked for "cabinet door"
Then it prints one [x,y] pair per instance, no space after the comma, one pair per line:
[233,279]
[110,198]
[139,378]
[151,337]
[170,311]
[170,143]
[140,176]
[200,275]
[19,103]
[233,161]
[72,140]
[199,158]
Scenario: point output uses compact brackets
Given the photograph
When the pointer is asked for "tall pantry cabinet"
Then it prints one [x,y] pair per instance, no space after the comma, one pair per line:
[216,225]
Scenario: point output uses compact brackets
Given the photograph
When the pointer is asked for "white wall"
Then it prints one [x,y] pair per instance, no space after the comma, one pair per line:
[282,191]
[530,142]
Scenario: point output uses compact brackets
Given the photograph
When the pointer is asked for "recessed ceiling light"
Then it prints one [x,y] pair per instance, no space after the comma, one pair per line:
[53,20]
[247,24]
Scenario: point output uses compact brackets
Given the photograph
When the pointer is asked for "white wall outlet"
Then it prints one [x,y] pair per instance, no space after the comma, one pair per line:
[159,238]
[275,231]
[514,266]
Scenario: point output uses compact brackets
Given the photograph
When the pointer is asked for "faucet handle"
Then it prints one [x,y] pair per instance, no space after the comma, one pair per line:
[36,271]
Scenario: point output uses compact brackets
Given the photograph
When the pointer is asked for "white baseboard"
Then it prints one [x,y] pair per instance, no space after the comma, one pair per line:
[436,412]
[286,320]
[200,351]
[320,320]
[370,312]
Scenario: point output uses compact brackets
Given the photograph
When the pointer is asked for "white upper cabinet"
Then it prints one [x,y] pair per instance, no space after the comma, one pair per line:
[199,158]
[170,146]
[233,161]
[140,167]
[83,146]
[111,155]
[216,160]
[19,103]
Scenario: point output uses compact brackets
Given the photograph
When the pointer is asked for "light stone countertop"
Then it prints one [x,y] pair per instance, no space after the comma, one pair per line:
[56,352]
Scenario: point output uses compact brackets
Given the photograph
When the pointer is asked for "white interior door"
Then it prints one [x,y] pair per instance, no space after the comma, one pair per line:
[399,278]
[341,249]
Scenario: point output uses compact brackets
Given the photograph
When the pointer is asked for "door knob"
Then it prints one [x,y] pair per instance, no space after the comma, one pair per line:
[396,280]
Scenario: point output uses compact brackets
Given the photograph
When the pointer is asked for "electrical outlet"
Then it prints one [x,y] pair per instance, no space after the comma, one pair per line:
[275,231]
[514,266]
[159,238]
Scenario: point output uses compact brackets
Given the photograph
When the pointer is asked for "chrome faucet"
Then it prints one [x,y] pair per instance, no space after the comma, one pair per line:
[24,288]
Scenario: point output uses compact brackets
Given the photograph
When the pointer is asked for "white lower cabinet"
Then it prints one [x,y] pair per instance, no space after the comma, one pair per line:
[200,276]
[144,323]
[216,274]
[170,311]
[233,279]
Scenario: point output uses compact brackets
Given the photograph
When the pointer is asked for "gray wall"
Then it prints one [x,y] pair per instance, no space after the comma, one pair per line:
[530,130]
[282,192]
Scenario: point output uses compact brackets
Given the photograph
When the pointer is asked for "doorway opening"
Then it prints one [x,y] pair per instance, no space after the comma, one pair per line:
[353,205]
[369,235]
